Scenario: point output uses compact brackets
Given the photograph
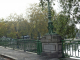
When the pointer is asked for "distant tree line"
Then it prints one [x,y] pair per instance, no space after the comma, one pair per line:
[15,26]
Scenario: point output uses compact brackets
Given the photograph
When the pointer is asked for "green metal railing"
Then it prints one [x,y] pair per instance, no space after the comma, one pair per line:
[71,48]
[23,44]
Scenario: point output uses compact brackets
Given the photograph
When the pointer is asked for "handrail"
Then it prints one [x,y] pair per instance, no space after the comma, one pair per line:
[72,40]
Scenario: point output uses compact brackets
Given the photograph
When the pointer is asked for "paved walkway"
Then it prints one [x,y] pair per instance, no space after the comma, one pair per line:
[21,55]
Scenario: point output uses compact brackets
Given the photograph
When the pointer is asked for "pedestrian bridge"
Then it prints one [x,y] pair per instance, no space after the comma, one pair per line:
[26,50]
[21,55]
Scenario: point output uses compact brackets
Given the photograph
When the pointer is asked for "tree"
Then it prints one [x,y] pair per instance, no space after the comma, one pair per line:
[63,27]
[38,20]
[71,9]
[3,28]
[64,23]
[15,26]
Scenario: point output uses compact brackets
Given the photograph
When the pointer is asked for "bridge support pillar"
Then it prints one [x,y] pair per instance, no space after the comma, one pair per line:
[52,45]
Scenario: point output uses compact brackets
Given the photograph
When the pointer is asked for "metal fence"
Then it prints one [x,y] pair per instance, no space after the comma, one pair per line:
[23,44]
[71,48]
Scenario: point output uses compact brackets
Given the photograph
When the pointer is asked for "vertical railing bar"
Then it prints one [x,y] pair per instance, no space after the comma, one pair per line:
[75,49]
[78,50]
[64,48]
[24,45]
[67,48]
[72,49]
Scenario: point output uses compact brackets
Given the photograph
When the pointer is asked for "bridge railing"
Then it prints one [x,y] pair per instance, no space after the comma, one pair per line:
[23,44]
[71,48]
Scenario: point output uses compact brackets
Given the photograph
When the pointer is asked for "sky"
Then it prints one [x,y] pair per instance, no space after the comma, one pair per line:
[19,7]
[14,6]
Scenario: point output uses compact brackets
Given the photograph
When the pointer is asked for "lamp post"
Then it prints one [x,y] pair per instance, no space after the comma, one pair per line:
[50,23]
[51,42]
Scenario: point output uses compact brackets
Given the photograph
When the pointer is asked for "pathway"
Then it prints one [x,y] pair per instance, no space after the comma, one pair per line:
[21,55]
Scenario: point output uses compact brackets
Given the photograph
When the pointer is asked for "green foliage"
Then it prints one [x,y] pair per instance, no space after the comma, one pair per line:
[38,21]
[71,8]
[17,26]
[64,27]
[11,35]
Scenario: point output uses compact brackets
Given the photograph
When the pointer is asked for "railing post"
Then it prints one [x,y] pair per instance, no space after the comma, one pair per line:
[17,44]
[39,47]
[13,44]
[10,43]
[24,46]
[63,49]
[5,43]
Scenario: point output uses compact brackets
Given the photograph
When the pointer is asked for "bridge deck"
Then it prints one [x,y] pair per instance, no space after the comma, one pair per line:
[21,55]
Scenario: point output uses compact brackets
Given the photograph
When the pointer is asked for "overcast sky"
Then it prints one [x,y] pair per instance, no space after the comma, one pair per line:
[18,6]
[14,6]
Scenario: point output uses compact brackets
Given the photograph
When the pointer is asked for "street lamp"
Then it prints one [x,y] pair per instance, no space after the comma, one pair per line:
[50,23]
